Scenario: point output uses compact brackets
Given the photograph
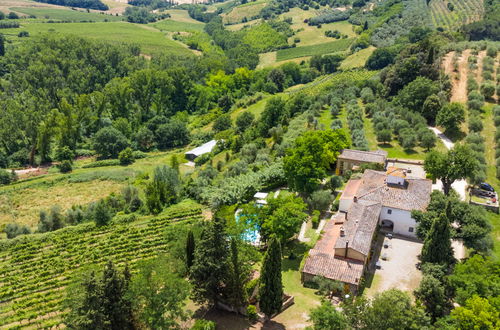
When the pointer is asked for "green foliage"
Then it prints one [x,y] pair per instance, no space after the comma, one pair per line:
[451,116]
[271,287]
[252,313]
[264,38]
[201,324]
[414,95]
[210,269]
[431,293]
[139,15]
[327,317]
[282,217]
[5,177]
[126,156]
[314,153]
[238,276]
[477,276]
[65,166]
[190,248]
[52,221]
[158,295]
[101,302]
[101,213]
[456,164]
[478,313]
[109,142]
[163,190]
[320,200]
[13,230]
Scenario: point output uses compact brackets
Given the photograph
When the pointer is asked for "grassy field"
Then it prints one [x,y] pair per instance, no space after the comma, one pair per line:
[319,49]
[464,11]
[149,39]
[247,10]
[66,15]
[358,59]
[35,270]
[171,25]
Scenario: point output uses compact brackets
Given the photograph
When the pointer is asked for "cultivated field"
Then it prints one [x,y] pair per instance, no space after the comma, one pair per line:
[319,49]
[35,270]
[66,14]
[245,11]
[453,13]
[151,40]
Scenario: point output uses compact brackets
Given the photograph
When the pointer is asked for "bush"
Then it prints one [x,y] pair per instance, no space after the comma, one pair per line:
[14,229]
[315,219]
[488,89]
[202,324]
[108,142]
[102,163]
[5,177]
[475,124]
[65,166]
[126,156]
[252,313]
[320,200]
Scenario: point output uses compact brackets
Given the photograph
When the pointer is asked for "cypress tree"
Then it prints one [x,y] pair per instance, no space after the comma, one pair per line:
[209,269]
[190,248]
[2,45]
[437,245]
[235,288]
[365,26]
[116,307]
[271,287]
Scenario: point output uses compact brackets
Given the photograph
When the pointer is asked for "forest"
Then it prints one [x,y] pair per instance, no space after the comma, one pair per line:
[121,231]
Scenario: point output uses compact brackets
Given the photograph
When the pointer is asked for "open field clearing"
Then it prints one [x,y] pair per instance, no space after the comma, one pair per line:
[66,14]
[171,25]
[23,206]
[245,11]
[453,13]
[358,59]
[151,40]
[36,269]
[5,5]
[319,49]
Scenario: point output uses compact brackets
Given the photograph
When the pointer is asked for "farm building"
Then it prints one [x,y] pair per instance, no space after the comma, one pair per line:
[350,159]
[203,149]
[385,198]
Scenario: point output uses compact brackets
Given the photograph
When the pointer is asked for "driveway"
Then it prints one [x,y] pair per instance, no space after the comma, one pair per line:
[459,186]
[399,270]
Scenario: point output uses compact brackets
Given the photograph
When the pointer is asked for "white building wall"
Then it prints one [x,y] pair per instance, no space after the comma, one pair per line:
[403,222]
[392,179]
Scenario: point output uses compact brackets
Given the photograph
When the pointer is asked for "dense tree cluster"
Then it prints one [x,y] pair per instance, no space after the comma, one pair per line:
[91,4]
[489,27]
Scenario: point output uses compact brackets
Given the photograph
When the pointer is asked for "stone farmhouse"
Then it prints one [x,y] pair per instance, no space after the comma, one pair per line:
[376,199]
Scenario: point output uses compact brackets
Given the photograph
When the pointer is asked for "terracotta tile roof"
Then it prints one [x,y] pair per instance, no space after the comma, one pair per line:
[415,195]
[378,156]
[360,226]
[322,261]
[335,268]
[396,171]
[351,188]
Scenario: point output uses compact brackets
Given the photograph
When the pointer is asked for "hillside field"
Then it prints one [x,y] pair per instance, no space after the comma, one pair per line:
[319,49]
[463,11]
[67,15]
[150,40]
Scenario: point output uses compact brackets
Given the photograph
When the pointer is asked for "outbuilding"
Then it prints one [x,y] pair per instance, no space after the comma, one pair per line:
[201,150]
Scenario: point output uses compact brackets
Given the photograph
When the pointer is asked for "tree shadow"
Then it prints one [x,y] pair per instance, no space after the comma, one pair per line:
[384,145]
[293,254]
[223,319]
[410,151]
[455,135]
[273,325]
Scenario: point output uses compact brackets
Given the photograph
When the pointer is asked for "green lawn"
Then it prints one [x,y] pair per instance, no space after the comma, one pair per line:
[325,119]
[149,39]
[171,25]
[66,14]
[319,49]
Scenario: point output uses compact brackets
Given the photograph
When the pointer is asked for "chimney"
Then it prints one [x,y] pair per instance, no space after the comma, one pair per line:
[342,231]
[346,247]
[355,199]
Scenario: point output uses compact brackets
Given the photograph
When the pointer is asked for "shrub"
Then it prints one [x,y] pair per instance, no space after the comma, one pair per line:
[202,324]
[108,142]
[126,156]
[488,89]
[315,219]
[65,166]
[319,200]
[102,163]
[14,229]
[252,313]
[5,177]
[475,124]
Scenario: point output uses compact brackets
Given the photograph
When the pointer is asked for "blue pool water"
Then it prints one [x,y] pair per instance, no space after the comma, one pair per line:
[252,234]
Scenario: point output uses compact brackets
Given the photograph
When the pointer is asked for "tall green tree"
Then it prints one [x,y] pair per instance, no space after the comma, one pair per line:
[431,293]
[437,245]
[190,248]
[117,308]
[271,286]
[2,45]
[478,313]
[159,295]
[210,270]
[237,278]
[451,116]
[457,164]
[314,153]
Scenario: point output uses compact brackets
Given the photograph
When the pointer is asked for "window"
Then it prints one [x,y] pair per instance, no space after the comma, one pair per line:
[389,211]
[410,229]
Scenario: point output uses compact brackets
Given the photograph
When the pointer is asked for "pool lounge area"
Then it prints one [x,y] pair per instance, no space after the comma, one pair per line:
[252,234]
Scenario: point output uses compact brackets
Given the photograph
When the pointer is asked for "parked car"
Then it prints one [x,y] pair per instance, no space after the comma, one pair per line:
[486,186]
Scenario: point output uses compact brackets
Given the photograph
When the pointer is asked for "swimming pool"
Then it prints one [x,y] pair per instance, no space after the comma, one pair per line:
[252,233]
